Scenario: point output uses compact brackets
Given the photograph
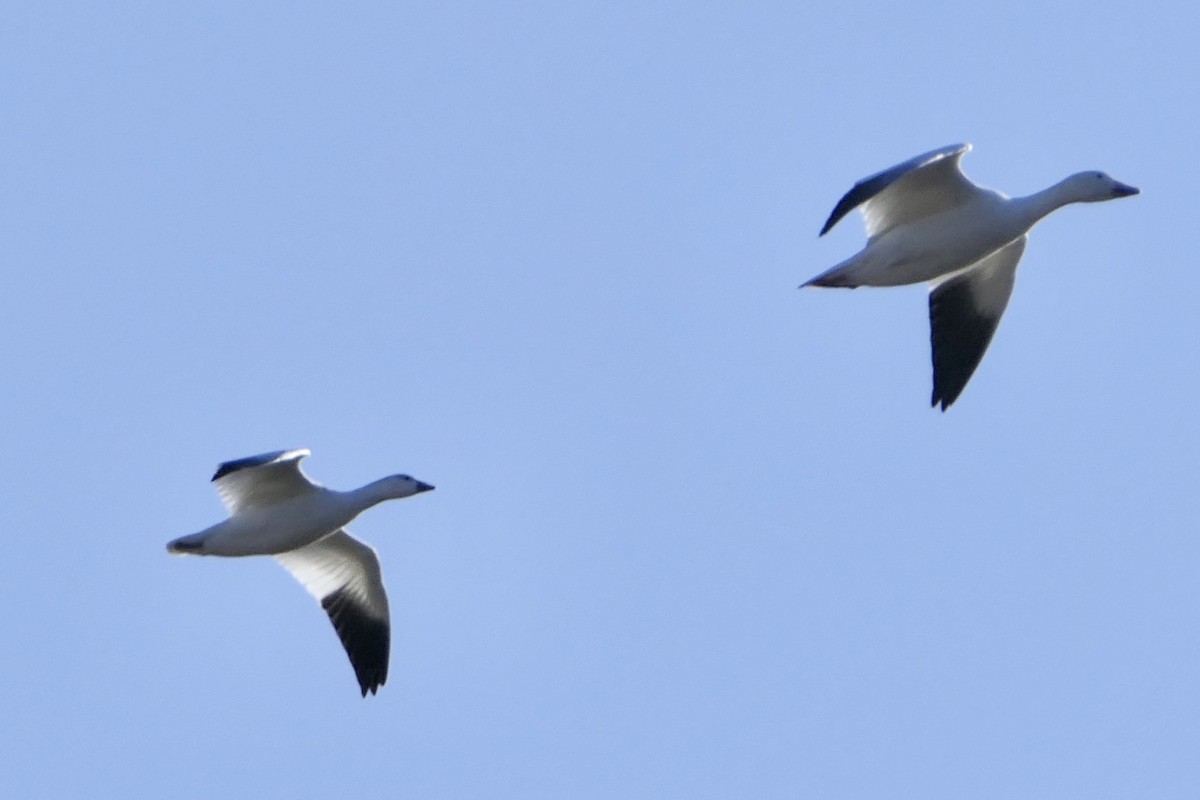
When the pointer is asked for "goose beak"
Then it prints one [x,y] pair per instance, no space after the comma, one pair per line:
[424,487]
[1122,190]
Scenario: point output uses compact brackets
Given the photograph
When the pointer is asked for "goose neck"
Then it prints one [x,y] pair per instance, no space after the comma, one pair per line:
[372,494]
[1040,204]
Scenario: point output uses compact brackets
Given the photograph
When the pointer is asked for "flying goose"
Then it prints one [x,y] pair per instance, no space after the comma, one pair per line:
[928,223]
[275,510]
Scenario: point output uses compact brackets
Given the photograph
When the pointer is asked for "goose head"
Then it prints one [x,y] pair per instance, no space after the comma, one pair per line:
[397,486]
[1093,187]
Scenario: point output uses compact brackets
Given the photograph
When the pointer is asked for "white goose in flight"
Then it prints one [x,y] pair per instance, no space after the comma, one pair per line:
[928,223]
[275,510]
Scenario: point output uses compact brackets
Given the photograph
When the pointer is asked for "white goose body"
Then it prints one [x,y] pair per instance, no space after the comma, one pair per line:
[927,223]
[288,524]
[933,248]
[275,510]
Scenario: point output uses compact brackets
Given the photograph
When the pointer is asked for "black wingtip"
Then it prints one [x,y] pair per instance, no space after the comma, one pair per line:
[229,467]
[946,391]
[261,460]
[844,207]
[367,640]
[959,335]
[366,686]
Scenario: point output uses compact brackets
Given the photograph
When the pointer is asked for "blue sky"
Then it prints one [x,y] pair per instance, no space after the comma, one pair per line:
[696,533]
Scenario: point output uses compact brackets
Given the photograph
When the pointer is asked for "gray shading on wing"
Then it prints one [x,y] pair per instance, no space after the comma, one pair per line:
[963,314]
[261,480]
[867,188]
[343,574]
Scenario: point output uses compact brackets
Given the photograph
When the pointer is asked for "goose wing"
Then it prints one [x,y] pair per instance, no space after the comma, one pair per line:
[261,480]
[920,187]
[343,574]
[963,314]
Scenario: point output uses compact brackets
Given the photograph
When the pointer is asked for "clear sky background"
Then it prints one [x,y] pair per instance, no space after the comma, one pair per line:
[697,534]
